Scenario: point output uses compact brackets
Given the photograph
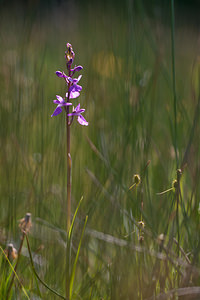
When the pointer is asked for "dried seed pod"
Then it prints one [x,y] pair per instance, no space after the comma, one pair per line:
[25,223]
[11,252]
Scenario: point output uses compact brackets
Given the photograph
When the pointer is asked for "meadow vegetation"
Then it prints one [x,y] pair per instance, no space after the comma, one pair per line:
[143,115]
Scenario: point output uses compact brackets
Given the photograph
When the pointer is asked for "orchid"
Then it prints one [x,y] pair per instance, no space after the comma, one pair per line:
[61,102]
[77,112]
[72,92]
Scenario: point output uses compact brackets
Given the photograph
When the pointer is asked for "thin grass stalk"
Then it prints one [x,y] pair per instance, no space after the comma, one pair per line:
[35,273]
[25,225]
[174,78]
[175,120]
[177,222]
[23,289]
[15,269]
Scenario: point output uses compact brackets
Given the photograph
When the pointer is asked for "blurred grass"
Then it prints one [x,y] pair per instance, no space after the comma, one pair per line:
[128,96]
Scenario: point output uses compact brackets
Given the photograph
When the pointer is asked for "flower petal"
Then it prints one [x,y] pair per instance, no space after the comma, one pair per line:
[82,120]
[60,99]
[80,111]
[77,69]
[73,95]
[66,104]
[57,111]
[75,88]
[74,113]
[78,107]
[60,74]
[56,101]
[76,80]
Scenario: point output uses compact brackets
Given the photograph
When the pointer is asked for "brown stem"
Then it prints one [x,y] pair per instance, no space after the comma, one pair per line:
[68,166]
[69,162]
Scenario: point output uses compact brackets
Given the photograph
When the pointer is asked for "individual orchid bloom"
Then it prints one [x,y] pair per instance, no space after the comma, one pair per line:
[61,74]
[78,112]
[61,102]
[76,69]
[75,87]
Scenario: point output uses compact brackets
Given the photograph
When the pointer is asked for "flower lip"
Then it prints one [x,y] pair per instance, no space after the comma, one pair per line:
[75,88]
[73,94]
[82,121]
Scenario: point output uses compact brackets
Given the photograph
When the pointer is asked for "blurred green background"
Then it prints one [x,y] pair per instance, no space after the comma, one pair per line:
[125,50]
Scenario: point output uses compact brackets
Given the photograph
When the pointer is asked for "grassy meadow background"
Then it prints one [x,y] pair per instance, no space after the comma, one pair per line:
[125,51]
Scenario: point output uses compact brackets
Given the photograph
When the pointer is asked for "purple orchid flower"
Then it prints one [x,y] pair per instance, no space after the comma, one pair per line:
[75,87]
[76,69]
[61,74]
[74,90]
[61,102]
[77,112]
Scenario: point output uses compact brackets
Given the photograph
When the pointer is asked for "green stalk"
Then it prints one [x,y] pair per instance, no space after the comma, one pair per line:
[37,276]
[76,260]
[175,122]
[174,79]
[15,269]
[14,272]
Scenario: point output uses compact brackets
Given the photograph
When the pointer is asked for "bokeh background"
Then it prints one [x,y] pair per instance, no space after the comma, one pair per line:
[126,53]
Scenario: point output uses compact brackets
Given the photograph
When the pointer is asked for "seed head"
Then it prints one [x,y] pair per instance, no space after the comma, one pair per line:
[11,252]
[25,223]
[136,179]
[175,184]
[141,224]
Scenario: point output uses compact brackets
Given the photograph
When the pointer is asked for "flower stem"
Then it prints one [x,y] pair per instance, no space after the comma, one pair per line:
[69,163]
